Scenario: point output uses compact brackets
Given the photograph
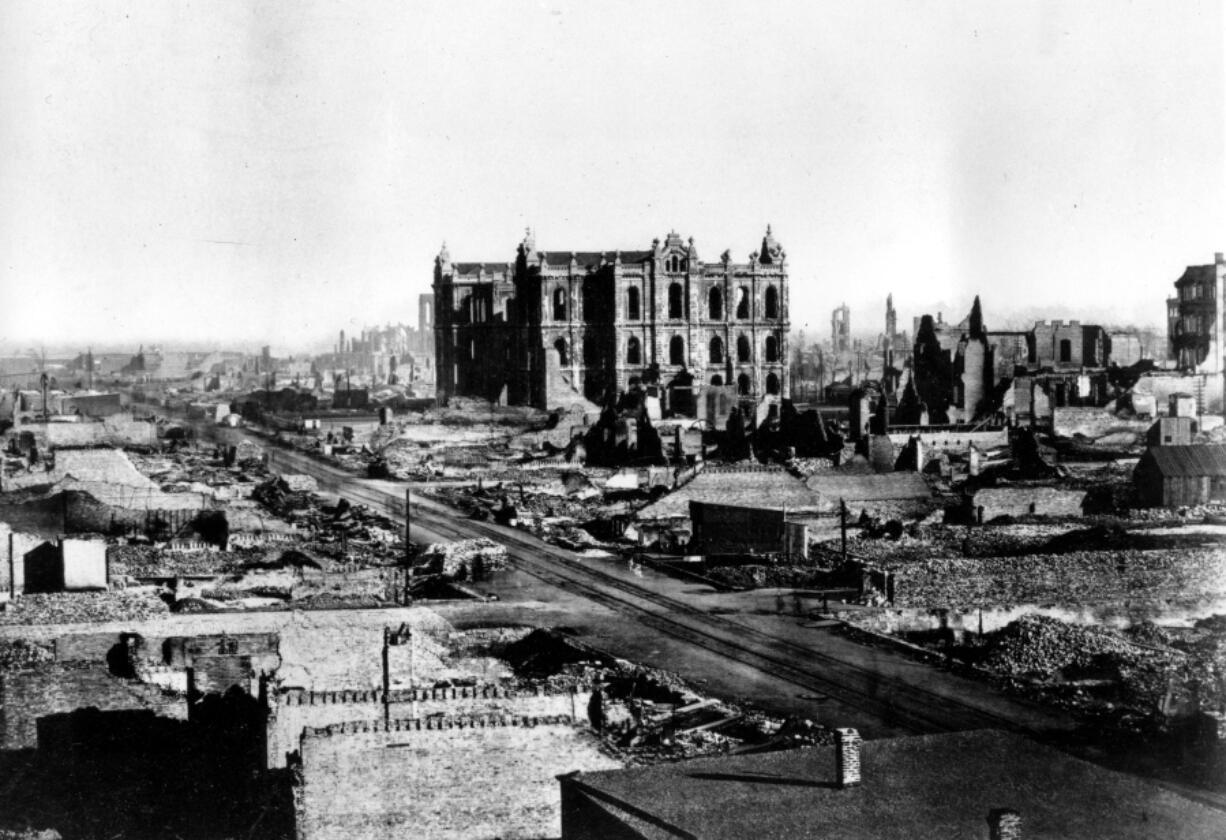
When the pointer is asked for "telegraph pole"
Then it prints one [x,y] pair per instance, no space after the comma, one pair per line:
[387,676]
[843,526]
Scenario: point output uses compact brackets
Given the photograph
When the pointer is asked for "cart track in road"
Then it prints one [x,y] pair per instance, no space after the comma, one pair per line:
[895,702]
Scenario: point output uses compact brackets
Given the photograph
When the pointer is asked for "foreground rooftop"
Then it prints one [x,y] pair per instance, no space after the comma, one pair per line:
[928,786]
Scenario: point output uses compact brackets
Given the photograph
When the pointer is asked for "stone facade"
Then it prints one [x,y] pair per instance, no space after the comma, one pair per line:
[557,328]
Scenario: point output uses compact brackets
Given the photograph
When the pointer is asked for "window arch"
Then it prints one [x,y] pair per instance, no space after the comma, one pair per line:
[717,350]
[715,304]
[563,356]
[1066,350]
[633,309]
[743,353]
[742,302]
[634,352]
[772,384]
[772,349]
[717,381]
[676,350]
[772,302]
[559,304]
[676,306]
[742,385]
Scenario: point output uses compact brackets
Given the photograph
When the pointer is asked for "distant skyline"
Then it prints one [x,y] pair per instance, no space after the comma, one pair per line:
[228,174]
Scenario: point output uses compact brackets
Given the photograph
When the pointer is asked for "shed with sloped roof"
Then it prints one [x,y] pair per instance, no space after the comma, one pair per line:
[1175,476]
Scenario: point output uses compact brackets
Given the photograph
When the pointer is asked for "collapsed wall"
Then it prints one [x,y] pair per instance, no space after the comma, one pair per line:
[1083,577]
[445,778]
[28,697]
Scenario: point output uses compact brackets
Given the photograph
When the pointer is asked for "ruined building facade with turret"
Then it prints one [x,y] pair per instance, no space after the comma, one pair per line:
[556,328]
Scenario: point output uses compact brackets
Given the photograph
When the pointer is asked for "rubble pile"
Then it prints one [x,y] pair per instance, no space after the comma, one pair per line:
[648,715]
[1111,676]
[146,561]
[461,560]
[21,654]
[79,607]
[1037,646]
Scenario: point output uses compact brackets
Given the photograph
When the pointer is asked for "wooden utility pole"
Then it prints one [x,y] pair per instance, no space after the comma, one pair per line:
[843,525]
[387,676]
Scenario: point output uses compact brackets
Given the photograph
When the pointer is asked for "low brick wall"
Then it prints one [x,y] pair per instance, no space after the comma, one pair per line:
[454,778]
[1094,422]
[1077,578]
[297,710]
[1028,501]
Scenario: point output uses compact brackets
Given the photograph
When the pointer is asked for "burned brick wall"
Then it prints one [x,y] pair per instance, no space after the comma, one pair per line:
[296,710]
[26,697]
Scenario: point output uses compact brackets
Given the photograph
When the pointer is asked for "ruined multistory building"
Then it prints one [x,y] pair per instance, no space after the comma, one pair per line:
[553,328]
[840,329]
[1195,318]
[961,369]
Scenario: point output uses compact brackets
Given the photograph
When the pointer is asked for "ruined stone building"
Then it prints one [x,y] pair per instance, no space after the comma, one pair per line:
[960,369]
[840,329]
[556,328]
[1195,318]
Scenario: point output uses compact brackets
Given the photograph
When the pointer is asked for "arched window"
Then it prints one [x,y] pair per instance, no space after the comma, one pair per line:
[772,349]
[772,302]
[676,350]
[715,305]
[717,381]
[742,350]
[675,305]
[633,311]
[563,356]
[1066,350]
[634,352]
[772,384]
[559,305]
[742,385]
[717,350]
[742,302]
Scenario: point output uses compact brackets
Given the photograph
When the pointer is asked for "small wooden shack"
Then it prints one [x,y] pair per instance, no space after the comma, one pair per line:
[1175,476]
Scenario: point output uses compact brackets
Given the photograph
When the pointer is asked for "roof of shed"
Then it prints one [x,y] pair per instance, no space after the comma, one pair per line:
[1202,460]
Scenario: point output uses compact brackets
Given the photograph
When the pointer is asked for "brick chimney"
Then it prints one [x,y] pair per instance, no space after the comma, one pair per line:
[1004,824]
[847,757]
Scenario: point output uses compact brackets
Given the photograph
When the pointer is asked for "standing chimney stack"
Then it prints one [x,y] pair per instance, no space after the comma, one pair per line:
[847,757]
[1004,824]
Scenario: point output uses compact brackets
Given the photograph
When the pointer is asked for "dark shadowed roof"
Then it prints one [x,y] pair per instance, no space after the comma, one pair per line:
[474,267]
[928,786]
[1197,274]
[1208,459]
[591,258]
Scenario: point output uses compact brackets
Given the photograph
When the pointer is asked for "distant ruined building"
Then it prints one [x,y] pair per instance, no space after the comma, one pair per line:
[961,371]
[556,328]
[1196,318]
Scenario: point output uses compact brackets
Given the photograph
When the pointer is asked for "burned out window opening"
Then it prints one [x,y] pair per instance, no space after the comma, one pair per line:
[676,307]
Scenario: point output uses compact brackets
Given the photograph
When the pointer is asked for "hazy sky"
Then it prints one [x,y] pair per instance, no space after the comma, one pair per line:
[222,171]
